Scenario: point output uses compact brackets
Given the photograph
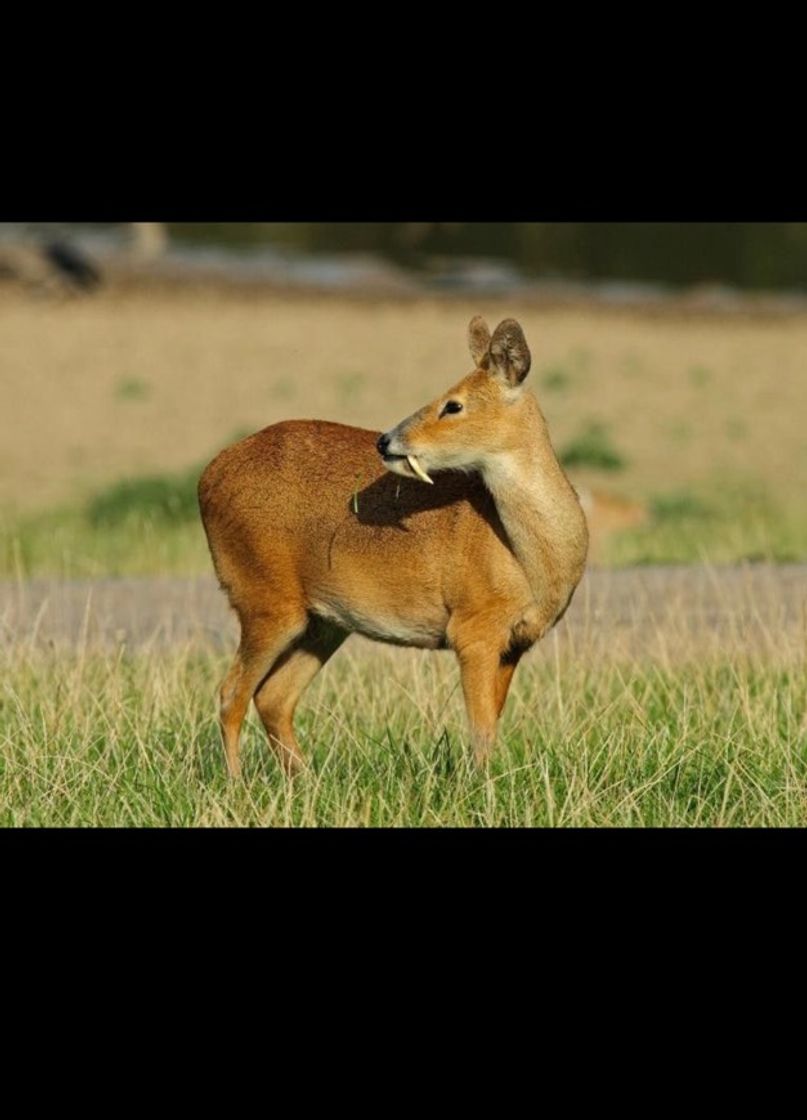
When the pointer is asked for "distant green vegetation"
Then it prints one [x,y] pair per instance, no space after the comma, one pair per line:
[679,506]
[556,379]
[66,543]
[745,254]
[132,389]
[134,526]
[166,498]
[717,528]
[351,385]
[284,388]
[592,448]
[699,376]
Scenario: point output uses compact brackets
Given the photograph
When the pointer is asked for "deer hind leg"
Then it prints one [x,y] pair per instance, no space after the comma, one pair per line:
[264,638]
[278,695]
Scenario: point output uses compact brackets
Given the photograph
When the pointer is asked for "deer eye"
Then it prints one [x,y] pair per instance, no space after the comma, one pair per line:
[451,406]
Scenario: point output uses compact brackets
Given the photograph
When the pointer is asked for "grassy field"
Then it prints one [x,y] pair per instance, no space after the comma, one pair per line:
[131,740]
[110,407]
[659,701]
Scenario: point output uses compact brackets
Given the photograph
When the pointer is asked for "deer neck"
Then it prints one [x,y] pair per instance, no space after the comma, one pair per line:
[540,513]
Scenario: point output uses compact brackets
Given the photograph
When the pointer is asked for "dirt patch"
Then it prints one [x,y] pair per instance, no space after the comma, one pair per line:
[662,614]
[136,383]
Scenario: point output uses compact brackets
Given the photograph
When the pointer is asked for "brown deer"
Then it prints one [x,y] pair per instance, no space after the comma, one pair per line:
[319,530]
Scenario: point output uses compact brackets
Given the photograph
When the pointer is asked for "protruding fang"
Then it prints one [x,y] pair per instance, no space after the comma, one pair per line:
[419,471]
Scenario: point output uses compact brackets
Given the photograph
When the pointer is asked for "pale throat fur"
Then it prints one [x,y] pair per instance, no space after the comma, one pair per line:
[543,519]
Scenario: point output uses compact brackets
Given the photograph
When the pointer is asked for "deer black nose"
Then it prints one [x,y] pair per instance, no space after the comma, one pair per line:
[383,445]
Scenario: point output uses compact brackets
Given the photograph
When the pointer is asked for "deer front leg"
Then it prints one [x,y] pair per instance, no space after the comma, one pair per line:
[485,681]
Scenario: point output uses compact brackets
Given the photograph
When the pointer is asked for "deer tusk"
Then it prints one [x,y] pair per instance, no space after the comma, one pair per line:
[419,471]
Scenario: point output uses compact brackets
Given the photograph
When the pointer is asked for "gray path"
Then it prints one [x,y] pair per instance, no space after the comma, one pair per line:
[665,613]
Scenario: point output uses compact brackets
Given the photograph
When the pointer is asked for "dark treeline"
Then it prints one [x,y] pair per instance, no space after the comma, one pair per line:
[745,254]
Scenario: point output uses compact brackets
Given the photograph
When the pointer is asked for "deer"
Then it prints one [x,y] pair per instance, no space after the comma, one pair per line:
[457,529]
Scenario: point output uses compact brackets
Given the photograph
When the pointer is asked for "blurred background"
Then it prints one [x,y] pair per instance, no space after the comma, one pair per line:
[670,360]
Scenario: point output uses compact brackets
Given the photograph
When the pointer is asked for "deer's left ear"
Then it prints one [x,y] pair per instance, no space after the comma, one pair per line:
[479,342]
[509,353]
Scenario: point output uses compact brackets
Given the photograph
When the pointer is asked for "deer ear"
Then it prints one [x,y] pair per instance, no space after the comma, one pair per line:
[479,342]
[510,353]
